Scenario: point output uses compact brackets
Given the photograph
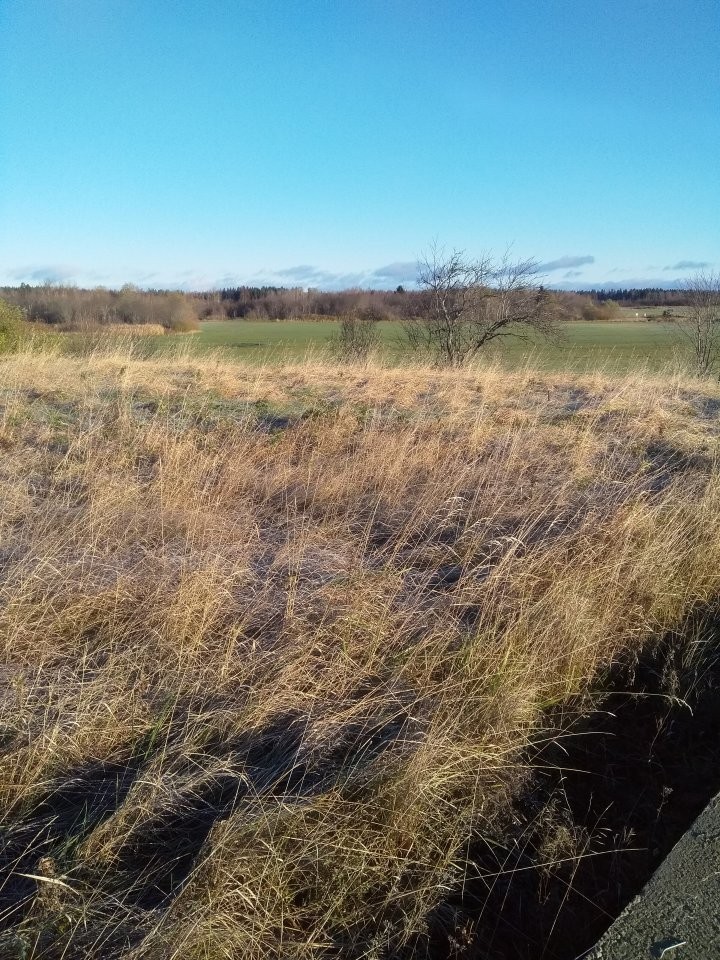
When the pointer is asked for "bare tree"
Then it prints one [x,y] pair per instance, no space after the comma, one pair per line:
[358,333]
[467,303]
[700,324]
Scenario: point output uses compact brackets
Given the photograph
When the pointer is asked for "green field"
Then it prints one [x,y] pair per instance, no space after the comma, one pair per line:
[270,336]
[621,344]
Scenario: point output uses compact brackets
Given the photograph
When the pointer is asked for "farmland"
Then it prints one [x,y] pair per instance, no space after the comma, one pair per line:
[621,345]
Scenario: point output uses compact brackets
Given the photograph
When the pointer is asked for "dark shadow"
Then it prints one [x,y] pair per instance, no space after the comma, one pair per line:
[161,850]
[611,794]
[57,820]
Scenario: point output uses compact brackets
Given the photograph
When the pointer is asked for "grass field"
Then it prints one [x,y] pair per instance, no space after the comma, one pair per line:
[621,345]
[278,642]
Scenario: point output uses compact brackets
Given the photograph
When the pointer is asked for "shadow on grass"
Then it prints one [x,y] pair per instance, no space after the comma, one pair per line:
[612,789]
[610,796]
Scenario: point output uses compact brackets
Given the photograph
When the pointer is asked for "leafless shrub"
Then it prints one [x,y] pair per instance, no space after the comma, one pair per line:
[467,304]
[358,335]
[699,324]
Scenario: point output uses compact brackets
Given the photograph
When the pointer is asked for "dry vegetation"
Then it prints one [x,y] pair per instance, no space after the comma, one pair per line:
[275,640]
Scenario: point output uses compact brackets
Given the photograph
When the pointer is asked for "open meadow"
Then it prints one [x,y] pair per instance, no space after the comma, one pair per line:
[619,345]
[359,480]
[285,647]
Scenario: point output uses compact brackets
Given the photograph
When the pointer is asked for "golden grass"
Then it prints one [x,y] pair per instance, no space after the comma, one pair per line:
[274,639]
[131,329]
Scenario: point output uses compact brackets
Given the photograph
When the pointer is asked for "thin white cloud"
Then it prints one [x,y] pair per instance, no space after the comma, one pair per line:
[44,273]
[308,275]
[302,271]
[624,283]
[402,271]
[565,263]
[302,275]
[688,265]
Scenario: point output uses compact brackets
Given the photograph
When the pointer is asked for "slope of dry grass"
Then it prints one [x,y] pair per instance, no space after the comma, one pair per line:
[274,639]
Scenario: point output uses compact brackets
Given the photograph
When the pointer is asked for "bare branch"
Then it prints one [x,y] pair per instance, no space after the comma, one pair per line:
[468,303]
[700,326]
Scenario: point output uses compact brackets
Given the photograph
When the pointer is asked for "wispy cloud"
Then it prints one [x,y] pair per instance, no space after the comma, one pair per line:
[308,275]
[622,283]
[572,273]
[565,263]
[44,273]
[402,271]
[302,272]
[302,275]
[688,265]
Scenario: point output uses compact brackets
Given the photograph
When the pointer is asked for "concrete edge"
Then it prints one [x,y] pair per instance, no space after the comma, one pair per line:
[677,914]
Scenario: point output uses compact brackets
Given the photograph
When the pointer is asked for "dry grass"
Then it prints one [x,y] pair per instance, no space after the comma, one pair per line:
[131,330]
[274,639]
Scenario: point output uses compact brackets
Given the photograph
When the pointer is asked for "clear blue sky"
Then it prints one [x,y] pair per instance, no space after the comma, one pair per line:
[326,142]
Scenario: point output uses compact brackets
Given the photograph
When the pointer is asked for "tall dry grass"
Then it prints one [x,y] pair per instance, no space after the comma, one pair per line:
[274,639]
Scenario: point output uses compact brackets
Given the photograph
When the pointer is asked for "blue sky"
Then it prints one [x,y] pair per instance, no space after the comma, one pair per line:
[327,142]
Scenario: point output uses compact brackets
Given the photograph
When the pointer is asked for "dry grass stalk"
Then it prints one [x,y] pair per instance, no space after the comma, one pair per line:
[274,638]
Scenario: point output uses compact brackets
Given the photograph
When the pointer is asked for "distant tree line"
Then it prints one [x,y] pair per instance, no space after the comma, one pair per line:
[296,303]
[641,297]
[74,308]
